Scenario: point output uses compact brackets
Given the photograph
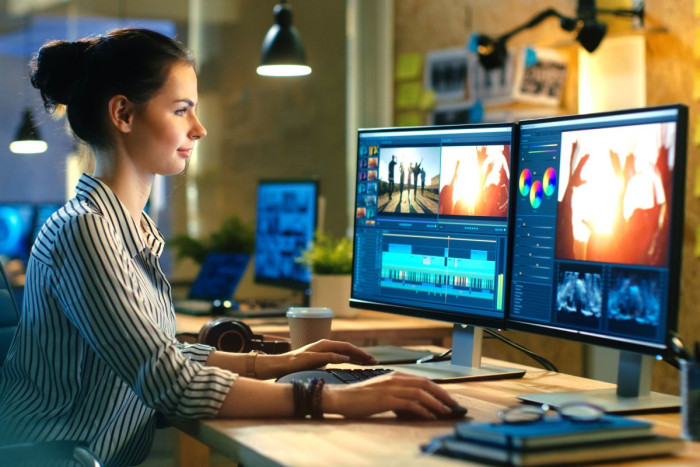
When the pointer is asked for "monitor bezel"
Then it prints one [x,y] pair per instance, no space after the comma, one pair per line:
[285,282]
[675,242]
[426,312]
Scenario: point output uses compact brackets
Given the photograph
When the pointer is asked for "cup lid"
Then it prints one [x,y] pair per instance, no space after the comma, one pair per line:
[309,312]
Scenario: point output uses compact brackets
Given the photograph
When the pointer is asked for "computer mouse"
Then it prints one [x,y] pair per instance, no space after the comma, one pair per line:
[457,412]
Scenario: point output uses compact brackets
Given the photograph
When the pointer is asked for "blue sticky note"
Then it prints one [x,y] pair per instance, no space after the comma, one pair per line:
[476,112]
[530,57]
[473,44]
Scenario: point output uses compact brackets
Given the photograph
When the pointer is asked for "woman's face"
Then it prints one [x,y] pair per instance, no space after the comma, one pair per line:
[166,127]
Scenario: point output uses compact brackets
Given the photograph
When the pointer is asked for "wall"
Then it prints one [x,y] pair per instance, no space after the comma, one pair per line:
[423,26]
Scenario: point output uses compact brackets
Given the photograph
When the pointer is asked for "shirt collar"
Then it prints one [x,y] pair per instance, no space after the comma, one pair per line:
[107,203]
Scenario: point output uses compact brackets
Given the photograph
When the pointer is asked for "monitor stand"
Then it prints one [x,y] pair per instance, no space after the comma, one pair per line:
[632,394]
[465,364]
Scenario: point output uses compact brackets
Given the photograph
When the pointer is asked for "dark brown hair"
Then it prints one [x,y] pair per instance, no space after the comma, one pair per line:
[85,74]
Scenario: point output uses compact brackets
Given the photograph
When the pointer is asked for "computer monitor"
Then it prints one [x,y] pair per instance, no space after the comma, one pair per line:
[16,224]
[597,239]
[285,227]
[43,212]
[431,233]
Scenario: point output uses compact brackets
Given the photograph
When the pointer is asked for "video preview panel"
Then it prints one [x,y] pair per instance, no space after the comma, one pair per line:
[432,217]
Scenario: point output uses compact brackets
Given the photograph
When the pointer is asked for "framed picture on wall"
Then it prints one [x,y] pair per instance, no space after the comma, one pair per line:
[540,76]
[445,73]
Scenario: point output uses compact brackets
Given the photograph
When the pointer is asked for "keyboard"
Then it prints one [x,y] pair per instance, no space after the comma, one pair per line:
[334,375]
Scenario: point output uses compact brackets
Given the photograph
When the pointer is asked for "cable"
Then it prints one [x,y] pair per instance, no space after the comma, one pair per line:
[549,366]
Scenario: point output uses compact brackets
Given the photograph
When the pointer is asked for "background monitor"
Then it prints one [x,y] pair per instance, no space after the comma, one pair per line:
[597,238]
[431,233]
[43,212]
[219,276]
[16,227]
[285,227]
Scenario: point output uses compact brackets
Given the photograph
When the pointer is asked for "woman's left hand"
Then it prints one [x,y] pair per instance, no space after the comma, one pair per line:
[311,356]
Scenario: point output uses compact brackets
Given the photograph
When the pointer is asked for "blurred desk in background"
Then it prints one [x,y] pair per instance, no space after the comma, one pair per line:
[369,328]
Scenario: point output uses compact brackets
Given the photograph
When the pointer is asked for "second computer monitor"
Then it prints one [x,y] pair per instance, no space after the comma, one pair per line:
[285,227]
[598,234]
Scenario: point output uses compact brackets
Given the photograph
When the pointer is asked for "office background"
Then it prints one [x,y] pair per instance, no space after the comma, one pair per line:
[261,127]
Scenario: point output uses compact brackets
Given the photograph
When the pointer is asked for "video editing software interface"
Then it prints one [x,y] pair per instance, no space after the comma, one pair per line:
[285,227]
[431,227]
[593,225]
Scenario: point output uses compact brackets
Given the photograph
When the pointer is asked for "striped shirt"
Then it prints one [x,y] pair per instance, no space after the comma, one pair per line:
[94,357]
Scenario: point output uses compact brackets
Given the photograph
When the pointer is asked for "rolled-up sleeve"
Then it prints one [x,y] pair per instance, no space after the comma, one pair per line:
[197,352]
[106,298]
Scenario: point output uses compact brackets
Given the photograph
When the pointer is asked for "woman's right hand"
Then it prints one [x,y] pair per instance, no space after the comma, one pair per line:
[399,392]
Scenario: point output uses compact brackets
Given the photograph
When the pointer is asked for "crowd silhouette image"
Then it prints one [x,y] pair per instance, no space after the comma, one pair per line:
[613,204]
[408,179]
[475,181]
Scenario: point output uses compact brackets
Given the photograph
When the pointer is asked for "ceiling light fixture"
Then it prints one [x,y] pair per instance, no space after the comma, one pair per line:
[283,51]
[27,139]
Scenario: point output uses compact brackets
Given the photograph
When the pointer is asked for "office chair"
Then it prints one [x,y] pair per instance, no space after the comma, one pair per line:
[42,452]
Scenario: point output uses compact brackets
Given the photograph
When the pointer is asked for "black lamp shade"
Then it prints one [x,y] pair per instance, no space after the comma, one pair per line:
[283,52]
[591,34]
[27,139]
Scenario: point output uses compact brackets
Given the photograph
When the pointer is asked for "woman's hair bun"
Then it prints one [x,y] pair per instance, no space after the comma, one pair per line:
[57,68]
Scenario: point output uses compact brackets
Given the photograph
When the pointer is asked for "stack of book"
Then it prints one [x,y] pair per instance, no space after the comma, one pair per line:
[555,441]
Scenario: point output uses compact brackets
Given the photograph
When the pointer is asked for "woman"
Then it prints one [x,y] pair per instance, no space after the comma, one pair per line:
[94,357]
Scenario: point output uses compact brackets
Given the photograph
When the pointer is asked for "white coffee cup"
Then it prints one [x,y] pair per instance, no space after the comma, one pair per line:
[307,325]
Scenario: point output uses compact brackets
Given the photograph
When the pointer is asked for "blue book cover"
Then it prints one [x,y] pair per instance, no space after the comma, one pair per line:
[597,452]
[553,431]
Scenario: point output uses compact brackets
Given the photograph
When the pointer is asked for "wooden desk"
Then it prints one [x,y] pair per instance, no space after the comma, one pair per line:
[384,440]
[369,328]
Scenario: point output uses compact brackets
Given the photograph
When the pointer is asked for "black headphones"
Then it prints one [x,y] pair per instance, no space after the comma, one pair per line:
[230,335]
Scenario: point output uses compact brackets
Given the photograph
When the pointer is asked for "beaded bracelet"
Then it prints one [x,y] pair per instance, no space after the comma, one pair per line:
[316,399]
[308,398]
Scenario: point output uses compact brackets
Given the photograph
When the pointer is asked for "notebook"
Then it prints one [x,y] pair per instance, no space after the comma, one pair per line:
[553,431]
[646,446]
[555,441]
[216,282]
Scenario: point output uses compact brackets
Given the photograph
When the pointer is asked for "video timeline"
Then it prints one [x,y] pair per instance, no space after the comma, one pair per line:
[462,271]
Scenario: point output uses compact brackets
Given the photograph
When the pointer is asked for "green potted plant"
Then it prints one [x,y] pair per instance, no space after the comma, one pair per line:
[234,236]
[330,260]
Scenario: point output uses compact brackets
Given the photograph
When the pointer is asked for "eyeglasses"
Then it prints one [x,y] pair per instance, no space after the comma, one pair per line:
[573,411]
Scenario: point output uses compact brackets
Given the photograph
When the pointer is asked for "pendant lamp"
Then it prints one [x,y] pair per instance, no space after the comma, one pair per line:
[283,52]
[27,139]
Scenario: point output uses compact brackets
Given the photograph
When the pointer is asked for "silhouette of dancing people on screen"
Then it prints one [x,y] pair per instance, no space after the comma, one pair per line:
[416,172]
[486,191]
[445,206]
[638,231]
[392,166]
